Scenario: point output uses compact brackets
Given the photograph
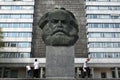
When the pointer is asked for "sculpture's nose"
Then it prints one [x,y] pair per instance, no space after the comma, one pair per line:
[59,23]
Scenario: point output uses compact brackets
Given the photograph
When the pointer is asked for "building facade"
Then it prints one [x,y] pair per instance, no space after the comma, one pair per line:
[16,19]
[103,32]
[98,35]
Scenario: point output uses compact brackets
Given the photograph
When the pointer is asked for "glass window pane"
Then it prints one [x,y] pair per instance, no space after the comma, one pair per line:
[16,7]
[26,16]
[15,16]
[27,7]
[6,7]
[8,0]
[15,25]
[27,0]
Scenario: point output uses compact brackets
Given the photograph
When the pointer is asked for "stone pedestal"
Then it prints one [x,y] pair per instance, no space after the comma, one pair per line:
[60,62]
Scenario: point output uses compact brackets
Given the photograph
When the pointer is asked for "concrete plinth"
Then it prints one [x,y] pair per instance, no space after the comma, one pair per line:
[56,79]
[60,62]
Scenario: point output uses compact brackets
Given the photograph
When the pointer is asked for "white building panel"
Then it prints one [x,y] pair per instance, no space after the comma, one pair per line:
[102,12]
[103,20]
[16,11]
[104,49]
[103,39]
[14,49]
[103,30]
[16,29]
[17,39]
[16,20]
[103,3]
[17,3]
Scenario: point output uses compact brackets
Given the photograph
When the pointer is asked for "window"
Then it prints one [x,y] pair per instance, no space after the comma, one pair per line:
[104,45]
[103,25]
[27,25]
[8,0]
[103,7]
[23,45]
[17,0]
[6,7]
[15,16]
[27,7]
[98,16]
[18,44]
[15,25]
[4,25]
[26,16]
[0,72]
[14,55]
[25,34]
[14,73]
[119,72]
[104,54]
[16,7]
[113,72]
[5,16]
[13,45]
[114,17]
[24,55]
[27,0]
[6,73]
[103,75]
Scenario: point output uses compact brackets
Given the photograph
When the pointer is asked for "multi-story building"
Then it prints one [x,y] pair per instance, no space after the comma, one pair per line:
[103,29]
[22,37]
[103,32]
[16,19]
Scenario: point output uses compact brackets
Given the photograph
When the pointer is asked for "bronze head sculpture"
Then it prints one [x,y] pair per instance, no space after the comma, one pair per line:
[59,28]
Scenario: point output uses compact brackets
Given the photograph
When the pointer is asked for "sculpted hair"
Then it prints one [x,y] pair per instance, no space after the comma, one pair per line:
[44,19]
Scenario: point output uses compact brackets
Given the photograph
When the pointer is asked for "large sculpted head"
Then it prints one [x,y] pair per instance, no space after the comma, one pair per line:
[59,28]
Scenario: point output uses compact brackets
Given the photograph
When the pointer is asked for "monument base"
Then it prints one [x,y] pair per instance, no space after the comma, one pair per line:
[60,62]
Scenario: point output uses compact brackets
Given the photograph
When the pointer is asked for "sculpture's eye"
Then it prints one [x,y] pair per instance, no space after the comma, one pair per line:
[72,23]
[55,21]
[63,21]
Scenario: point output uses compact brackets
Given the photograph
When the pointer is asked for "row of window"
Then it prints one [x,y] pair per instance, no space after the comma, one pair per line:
[105,0]
[104,45]
[103,7]
[18,44]
[15,25]
[102,16]
[12,7]
[19,16]
[14,55]
[15,0]
[104,35]
[104,54]
[8,73]
[103,25]
[17,34]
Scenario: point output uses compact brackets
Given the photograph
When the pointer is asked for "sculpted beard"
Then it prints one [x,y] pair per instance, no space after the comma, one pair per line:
[59,36]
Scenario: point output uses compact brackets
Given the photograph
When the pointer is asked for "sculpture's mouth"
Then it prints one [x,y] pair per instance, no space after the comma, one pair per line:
[59,32]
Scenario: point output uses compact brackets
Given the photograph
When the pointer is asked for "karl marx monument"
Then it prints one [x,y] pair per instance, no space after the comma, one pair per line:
[59,28]
[59,33]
